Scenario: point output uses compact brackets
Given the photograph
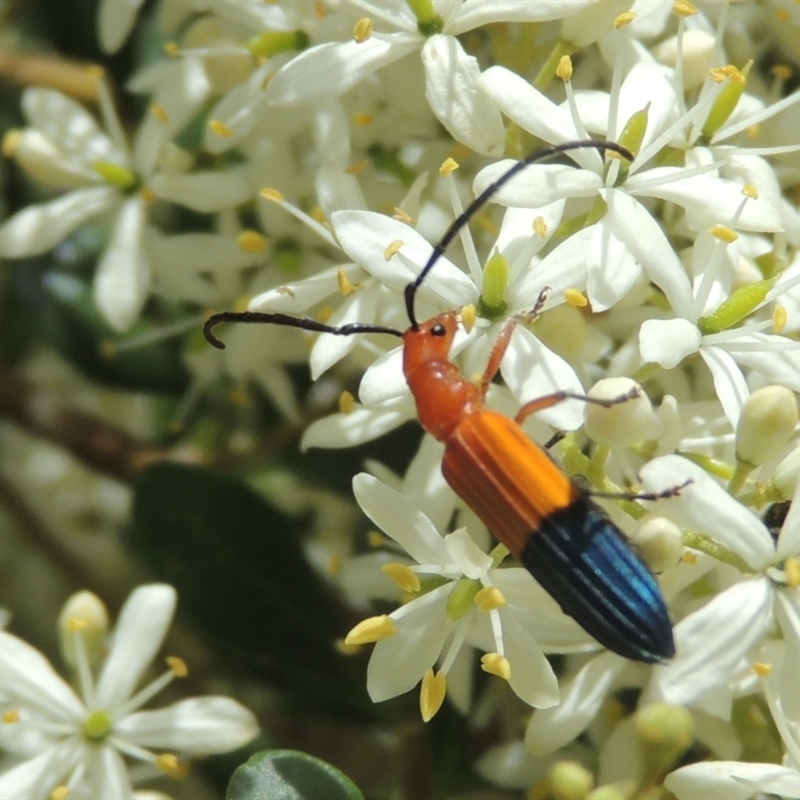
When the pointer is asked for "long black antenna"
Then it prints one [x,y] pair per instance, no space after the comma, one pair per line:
[294,322]
[485,196]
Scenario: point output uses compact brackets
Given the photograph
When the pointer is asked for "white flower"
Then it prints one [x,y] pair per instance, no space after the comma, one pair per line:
[91,731]
[330,69]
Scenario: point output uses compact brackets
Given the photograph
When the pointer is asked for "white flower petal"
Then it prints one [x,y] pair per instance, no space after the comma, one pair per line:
[517,236]
[399,662]
[711,642]
[330,69]
[537,186]
[359,426]
[633,225]
[27,678]
[365,236]
[532,677]
[397,517]
[474,13]
[646,84]
[384,379]
[531,370]
[140,629]
[718,780]
[197,726]
[39,228]
[106,773]
[205,192]
[534,112]
[122,279]
[704,506]
[200,252]
[613,270]
[299,296]
[40,776]
[789,537]
[454,96]
[787,612]
[45,161]
[587,25]
[766,353]
[668,341]
[729,382]
[115,21]
[466,555]
[581,698]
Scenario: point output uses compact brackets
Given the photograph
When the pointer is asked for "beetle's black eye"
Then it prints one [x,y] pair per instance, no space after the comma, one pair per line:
[438,329]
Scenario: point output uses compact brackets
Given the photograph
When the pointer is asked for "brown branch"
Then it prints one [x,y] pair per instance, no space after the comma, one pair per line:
[76,79]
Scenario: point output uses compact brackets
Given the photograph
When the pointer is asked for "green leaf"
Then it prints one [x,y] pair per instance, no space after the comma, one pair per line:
[290,775]
[241,575]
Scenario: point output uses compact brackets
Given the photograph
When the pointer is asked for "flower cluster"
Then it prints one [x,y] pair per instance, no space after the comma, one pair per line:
[325,148]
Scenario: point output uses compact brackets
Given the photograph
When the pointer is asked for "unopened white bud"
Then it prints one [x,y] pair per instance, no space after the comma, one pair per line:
[83,615]
[658,541]
[766,424]
[623,424]
[697,49]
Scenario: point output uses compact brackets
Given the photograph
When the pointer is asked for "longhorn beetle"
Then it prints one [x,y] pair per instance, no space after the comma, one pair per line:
[547,522]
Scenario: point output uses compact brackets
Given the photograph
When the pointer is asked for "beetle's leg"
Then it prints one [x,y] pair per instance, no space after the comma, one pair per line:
[672,491]
[550,400]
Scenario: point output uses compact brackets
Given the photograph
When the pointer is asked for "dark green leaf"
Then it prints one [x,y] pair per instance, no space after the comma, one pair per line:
[290,775]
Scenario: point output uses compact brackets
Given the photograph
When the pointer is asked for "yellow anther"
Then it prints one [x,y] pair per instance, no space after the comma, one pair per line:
[75,624]
[168,762]
[325,313]
[220,128]
[403,576]
[575,297]
[96,71]
[272,194]
[372,629]
[449,165]
[540,227]
[564,69]
[689,558]
[624,19]
[762,669]
[346,649]
[376,539]
[490,598]
[60,793]
[178,666]
[363,119]
[347,402]
[431,694]
[791,568]
[172,49]
[356,168]
[753,131]
[683,8]
[11,142]
[318,215]
[12,716]
[749,190]
[252,241]
[239,397]
[159,112]
[782,71]
[779,317]
[783,15]
[148,195]
[719,74]
[320,9]
[469,316]
[335,564]
[107,349]
[495,664]
[403,216]
[393,249]
[346,287]
[362,30]
[724,234]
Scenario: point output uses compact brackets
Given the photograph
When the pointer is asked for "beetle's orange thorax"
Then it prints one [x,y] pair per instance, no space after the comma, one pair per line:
[443,395]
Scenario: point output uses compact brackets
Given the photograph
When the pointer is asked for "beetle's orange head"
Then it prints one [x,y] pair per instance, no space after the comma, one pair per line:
[430,341]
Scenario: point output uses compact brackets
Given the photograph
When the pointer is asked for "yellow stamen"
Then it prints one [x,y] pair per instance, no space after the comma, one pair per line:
[318,215]
[345,285]
[393,249]
[575,297]
[356,168]
[783,15]
[749,190]
[347,402]
[178,666]
[168,762]
[719,74]
[449,165]
[159,112]
[469,315]
[683,8]
[624,19]
[495,664]
[782,71]
[252,241]
[376,539]
[239,397]
[403,576]
[320,9]
[762,669]
[564,69]
[346,649]
[220,128]
[724,234]
[753,131]
[96,71]
[272,194]
[779,318]
[490,598]
[540,227]
[148,195]
[689,558]
[11,142]
[172,49]
[431,695]
[791,569]
[362,30]
[363,119]
[60,793]
[325,313]
[11,716]
[75,624]
[372,629]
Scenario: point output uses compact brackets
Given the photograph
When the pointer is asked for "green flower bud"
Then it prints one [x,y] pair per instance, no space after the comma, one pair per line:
[635,128]
[495,285]
[462,598]
[569,780]
[271,43]
[766,424]
[665,733]
[726,101]
[741,303]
